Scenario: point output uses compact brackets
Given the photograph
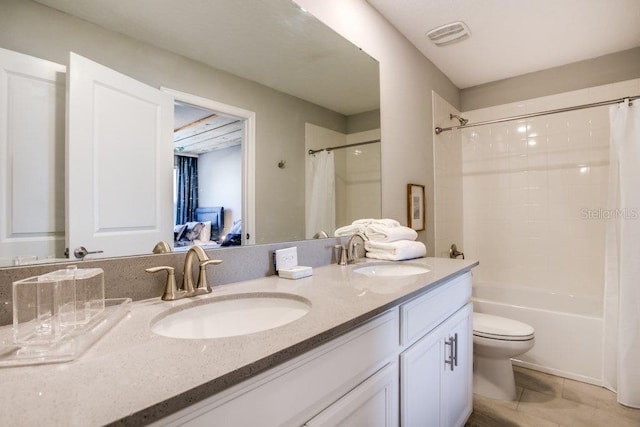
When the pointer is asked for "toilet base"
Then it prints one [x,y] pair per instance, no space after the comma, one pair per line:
[493,378]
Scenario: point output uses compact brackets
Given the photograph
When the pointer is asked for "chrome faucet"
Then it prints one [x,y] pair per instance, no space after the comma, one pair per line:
[352,247]
[171,291]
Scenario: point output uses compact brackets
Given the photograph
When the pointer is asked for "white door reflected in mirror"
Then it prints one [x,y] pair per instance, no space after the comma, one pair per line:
[119,167]
[32,94]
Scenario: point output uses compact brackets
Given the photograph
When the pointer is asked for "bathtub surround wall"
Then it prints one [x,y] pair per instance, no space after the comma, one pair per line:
[447,162]
[127,278]
[533,190]
[535,212]
[358,180]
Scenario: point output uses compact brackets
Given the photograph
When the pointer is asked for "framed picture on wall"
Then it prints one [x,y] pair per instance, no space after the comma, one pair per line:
[415,206]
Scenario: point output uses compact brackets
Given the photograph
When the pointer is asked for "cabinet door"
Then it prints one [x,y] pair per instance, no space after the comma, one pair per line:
[457,396]
[373,403]
[421,378]
[434,389]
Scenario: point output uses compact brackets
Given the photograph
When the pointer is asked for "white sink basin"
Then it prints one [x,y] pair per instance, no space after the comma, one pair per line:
[391,270]
[239,315]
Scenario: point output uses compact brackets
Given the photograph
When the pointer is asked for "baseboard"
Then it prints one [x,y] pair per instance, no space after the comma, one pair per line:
[558,372]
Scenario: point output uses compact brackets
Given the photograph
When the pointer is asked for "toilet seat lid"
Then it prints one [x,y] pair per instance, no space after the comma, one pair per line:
[496,327]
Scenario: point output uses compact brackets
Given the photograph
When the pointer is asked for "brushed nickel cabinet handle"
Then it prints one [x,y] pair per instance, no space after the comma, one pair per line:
[450,360]
[455,353]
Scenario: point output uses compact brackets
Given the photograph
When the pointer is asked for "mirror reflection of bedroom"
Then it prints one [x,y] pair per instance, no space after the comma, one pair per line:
[207,196]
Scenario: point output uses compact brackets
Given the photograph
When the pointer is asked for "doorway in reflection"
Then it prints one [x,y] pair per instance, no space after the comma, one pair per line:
[207,193]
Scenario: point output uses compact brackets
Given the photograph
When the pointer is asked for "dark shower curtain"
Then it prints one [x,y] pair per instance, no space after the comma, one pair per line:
[187,194]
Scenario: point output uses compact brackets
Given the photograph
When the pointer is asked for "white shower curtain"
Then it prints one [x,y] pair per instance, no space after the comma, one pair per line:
[321,204]
[622,264]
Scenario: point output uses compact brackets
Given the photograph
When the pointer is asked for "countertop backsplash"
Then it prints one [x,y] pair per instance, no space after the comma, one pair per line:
[126,277]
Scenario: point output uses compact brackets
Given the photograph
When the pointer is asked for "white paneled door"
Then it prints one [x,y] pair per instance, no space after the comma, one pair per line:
[119,165]
[32,93]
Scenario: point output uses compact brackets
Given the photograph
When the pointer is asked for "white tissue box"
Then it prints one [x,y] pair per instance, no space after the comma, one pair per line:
[297,272]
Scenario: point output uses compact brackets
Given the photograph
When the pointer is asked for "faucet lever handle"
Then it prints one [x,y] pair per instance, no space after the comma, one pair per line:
[203,287]
[171,291]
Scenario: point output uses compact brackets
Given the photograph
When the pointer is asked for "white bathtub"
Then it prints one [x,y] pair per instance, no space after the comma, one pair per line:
[568,328]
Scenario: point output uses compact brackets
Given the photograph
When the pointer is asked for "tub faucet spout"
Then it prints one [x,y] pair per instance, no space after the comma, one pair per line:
[454,252]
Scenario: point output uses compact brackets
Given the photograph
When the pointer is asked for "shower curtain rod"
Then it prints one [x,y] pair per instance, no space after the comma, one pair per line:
[344,146]
[439,130]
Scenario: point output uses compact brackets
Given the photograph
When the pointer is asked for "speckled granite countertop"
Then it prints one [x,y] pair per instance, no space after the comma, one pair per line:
[132,376]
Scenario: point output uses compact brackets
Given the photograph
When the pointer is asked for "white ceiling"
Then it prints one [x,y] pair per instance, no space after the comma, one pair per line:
[514,37]
[272,42]
[199,130]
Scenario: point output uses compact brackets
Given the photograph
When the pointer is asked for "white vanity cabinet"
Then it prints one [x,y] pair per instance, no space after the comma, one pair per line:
[348,378]
[374,403]
[411,365]
[436,369]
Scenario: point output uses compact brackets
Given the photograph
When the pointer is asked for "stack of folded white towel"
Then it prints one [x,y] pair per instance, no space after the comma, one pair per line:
[388,240]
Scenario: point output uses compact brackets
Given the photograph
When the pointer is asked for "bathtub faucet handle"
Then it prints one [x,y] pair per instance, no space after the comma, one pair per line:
[454,252]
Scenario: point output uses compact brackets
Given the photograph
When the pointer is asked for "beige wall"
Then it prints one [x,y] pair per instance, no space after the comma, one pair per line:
[215,190]
[36,30]
[363,121]
[406,81]
[615,67]
[448,180]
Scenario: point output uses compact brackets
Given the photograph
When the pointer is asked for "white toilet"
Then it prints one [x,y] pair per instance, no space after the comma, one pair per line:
[495,341]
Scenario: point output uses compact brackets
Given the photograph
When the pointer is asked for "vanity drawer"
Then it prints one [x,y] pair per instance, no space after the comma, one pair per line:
[293,393]
[425,312]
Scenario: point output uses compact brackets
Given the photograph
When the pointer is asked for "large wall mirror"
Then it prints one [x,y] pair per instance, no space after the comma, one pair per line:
[304,88]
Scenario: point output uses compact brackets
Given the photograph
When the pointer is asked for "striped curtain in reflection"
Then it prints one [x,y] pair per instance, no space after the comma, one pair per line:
[187,186]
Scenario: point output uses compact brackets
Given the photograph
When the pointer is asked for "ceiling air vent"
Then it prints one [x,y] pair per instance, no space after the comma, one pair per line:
[449,33]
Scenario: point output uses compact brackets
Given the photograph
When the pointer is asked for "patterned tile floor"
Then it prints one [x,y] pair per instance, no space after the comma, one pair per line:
[547,400]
